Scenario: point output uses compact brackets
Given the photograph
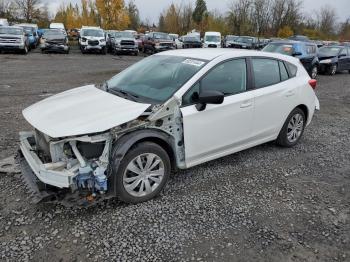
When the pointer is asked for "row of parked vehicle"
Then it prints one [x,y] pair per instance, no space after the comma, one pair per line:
[314,55]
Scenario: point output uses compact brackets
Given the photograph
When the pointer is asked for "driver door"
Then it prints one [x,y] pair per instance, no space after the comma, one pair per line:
[219,129]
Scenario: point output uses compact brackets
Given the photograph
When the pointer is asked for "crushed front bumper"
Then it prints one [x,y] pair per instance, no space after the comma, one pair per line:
[54,174]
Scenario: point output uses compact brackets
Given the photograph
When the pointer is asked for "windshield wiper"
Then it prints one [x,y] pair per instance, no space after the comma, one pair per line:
[123,94]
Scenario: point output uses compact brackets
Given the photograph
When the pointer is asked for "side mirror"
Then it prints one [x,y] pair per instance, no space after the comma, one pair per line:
[341,55]
[207,97]
[296,54]
[26,34]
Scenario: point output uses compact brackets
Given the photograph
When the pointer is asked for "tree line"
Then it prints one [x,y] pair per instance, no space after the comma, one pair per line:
[262,18]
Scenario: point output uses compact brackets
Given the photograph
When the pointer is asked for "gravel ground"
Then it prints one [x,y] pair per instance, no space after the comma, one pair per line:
[263,204]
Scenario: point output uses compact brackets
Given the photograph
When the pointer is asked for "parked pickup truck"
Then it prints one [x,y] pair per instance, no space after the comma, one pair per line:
[124,42]
[157,42]
[13,38]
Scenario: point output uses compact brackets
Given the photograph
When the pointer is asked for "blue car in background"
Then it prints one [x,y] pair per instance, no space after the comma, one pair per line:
[307,52]
[31,31]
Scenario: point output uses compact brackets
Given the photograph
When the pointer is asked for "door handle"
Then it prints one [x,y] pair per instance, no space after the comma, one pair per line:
[290,93]
[246,104]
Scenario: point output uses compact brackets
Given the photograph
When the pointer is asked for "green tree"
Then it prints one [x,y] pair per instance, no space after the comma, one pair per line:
[161,23]
[200,13]
[134,15]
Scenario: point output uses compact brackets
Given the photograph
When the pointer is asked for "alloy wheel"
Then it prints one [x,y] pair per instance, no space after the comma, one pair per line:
[314,72]
[295,128]
[143,175]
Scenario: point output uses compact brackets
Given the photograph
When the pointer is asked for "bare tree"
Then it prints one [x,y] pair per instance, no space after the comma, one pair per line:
[261,16]
[286,13]
[239,16]
[29,9]
[327,19]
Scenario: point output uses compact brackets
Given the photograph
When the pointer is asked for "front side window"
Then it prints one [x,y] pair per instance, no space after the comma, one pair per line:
[229,78]
[266,72]
[344,52]
[156,78]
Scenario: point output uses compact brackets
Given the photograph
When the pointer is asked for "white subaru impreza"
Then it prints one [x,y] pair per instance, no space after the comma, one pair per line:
[173,110]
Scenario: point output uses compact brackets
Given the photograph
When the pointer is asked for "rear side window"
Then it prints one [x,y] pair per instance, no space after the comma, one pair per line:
[292,69]
[266,72]
[284,72]
[310,49]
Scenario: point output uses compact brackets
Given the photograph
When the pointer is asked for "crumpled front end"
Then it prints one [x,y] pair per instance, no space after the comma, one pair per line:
[75,167]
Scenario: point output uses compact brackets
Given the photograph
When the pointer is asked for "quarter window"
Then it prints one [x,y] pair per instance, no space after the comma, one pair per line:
[292,69]
[284,73]
[229,78]
[266,72]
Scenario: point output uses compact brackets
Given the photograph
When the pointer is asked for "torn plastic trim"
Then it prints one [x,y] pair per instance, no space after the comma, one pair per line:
[61,171]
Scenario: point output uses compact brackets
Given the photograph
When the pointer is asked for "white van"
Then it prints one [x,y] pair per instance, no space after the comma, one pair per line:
[212,40]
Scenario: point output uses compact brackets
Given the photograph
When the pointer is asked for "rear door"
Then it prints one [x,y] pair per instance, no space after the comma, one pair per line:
[274,97]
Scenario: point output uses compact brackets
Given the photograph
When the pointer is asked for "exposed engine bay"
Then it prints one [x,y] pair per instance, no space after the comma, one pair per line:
[79,169]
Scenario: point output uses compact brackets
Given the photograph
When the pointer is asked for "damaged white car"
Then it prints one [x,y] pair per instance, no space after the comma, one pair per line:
[173,110]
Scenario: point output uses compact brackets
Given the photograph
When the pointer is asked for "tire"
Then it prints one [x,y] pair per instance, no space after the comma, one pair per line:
[314,72]
[25,50]
[286,137]
[332,70]
[104,51]
[125,177]
[136,53]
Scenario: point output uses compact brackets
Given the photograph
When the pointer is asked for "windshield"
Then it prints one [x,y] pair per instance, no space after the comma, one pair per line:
[161,36]
[156,78]
[92,32]
[53,33]
[329,51]
[285,49]
[212,38]
[191,39]
[11,31]
[231,38]
[247,40]
[123,35]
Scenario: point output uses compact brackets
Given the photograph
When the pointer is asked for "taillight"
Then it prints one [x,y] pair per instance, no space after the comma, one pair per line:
[313,83]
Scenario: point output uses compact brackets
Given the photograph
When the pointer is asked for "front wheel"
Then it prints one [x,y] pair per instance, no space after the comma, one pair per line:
[332,70]
[142,173]
[292,129]
[314,72]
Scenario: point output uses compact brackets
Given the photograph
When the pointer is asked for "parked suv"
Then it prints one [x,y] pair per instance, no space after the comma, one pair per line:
[92,39]
[334,59]
[31,31]
[305,51]
[173,110]
[156,42]
[13,38]
[124,42]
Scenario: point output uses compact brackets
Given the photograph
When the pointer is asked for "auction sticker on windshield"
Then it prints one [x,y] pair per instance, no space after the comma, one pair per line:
[193,62]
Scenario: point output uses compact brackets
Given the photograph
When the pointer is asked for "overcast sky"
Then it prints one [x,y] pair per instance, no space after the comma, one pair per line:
[150,9]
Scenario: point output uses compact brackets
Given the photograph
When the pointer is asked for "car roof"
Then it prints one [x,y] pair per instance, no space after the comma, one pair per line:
[12,26]
[211,54]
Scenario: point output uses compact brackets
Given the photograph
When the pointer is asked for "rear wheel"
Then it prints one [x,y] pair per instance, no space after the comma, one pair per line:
[292,129]
[142,173]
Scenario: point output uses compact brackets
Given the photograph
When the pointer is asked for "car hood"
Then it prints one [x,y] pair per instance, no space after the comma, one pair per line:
[324,57]
[81,111]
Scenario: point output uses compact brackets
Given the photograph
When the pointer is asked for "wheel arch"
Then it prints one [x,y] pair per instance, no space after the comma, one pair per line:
[305,109]
[129,140]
